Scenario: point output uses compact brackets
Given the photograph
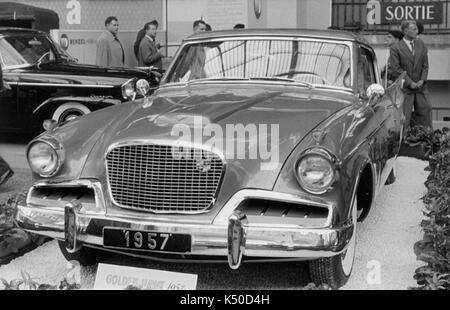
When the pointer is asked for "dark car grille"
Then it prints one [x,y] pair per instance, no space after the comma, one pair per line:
[163,179]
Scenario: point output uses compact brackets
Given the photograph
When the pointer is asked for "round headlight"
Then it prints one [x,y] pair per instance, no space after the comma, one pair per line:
[43,159]
[315,173]
[128,90]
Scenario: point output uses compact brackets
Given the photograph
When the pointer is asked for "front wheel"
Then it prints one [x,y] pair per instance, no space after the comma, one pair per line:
[69,111]
[335,271]
[85,256]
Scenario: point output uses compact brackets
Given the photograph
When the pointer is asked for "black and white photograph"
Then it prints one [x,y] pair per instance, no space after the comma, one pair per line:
[243,146]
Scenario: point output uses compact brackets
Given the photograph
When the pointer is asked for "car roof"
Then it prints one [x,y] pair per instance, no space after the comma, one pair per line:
[308,33]
[13,30]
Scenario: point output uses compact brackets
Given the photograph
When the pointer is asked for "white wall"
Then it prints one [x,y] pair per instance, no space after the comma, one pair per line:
[314,14]
[283,14]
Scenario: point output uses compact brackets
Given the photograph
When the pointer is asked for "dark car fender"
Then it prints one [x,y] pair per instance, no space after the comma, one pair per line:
[93,103]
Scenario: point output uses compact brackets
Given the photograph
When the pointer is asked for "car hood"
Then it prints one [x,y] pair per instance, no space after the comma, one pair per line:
[65,72]
[284,114]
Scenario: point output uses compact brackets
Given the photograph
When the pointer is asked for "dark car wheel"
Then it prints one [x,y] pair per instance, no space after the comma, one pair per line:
[85,256]
[69,111]
[335,271]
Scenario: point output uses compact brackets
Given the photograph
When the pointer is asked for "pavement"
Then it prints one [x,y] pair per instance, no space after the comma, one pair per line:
[384,258]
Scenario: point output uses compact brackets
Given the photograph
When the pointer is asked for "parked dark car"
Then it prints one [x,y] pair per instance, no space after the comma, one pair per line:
[43,82]
[132,179]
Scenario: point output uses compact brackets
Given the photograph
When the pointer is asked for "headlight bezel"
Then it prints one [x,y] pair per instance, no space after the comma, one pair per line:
[324,154]
[56,146]
[129,85]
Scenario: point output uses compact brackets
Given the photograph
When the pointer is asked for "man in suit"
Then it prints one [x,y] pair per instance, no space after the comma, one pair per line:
[109,49]
[149,54]
[411,56]
[199,26]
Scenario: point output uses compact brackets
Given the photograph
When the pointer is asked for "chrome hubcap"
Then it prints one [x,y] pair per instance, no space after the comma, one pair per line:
[71,117]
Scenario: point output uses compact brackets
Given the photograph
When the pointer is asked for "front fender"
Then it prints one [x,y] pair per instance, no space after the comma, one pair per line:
[93,103]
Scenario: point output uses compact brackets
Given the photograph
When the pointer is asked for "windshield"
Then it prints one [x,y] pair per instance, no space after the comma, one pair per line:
[312,62]
[25,50]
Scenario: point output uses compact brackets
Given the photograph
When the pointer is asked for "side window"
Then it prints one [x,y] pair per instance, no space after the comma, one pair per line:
[366,72]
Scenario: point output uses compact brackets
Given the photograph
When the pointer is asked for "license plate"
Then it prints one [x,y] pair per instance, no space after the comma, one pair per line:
[146,240]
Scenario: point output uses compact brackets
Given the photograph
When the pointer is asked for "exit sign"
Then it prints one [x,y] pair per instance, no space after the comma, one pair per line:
[427,12]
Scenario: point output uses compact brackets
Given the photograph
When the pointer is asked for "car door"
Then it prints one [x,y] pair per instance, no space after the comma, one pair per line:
[389,115]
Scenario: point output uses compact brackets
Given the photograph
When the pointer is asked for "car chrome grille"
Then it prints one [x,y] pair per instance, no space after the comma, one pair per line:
[163,179]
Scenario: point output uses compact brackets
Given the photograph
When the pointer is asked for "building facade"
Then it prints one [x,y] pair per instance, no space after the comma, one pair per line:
[81,21]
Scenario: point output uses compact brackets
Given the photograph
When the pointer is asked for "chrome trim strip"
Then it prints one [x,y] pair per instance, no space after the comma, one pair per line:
[207,239]
[235,201]
[63,85]
[95,185]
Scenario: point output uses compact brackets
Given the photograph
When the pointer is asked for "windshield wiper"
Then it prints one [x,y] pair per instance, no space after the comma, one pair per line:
[275,78]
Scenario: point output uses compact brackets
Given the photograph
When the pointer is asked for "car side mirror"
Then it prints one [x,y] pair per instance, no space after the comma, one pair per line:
[375,90]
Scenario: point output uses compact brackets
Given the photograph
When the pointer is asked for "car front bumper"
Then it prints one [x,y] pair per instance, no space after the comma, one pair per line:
[231,235]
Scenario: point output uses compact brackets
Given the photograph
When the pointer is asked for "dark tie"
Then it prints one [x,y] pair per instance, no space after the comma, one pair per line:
[412,47]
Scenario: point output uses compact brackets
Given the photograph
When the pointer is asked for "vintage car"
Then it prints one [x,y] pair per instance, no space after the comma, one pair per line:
[259,145]
[42,82]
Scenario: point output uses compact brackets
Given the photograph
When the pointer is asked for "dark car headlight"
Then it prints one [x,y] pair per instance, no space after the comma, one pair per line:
[129,89]
[316,171]
[45,157]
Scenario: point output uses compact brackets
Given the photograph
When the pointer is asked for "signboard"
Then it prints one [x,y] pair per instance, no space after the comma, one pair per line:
[114,277]
[82,44]
[396,12]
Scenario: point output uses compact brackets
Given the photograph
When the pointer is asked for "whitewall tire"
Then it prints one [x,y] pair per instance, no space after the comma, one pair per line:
[69,111]
[335,271]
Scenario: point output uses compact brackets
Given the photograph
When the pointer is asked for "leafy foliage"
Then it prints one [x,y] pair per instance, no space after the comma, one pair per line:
[7,211]
[434,248]
[425,137]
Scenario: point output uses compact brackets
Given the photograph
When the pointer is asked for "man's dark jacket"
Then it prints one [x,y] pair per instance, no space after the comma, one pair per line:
[416,67]
[139,37]
[148,54]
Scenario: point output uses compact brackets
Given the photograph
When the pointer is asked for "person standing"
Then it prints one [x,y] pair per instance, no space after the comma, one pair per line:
[410,55]
[139,37]
[199,26]
[110,51]
[149,54]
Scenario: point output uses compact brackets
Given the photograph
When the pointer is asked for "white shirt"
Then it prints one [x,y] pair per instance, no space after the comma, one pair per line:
[408,44]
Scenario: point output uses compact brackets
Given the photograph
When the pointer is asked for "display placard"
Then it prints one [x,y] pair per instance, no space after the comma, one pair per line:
[115,277]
